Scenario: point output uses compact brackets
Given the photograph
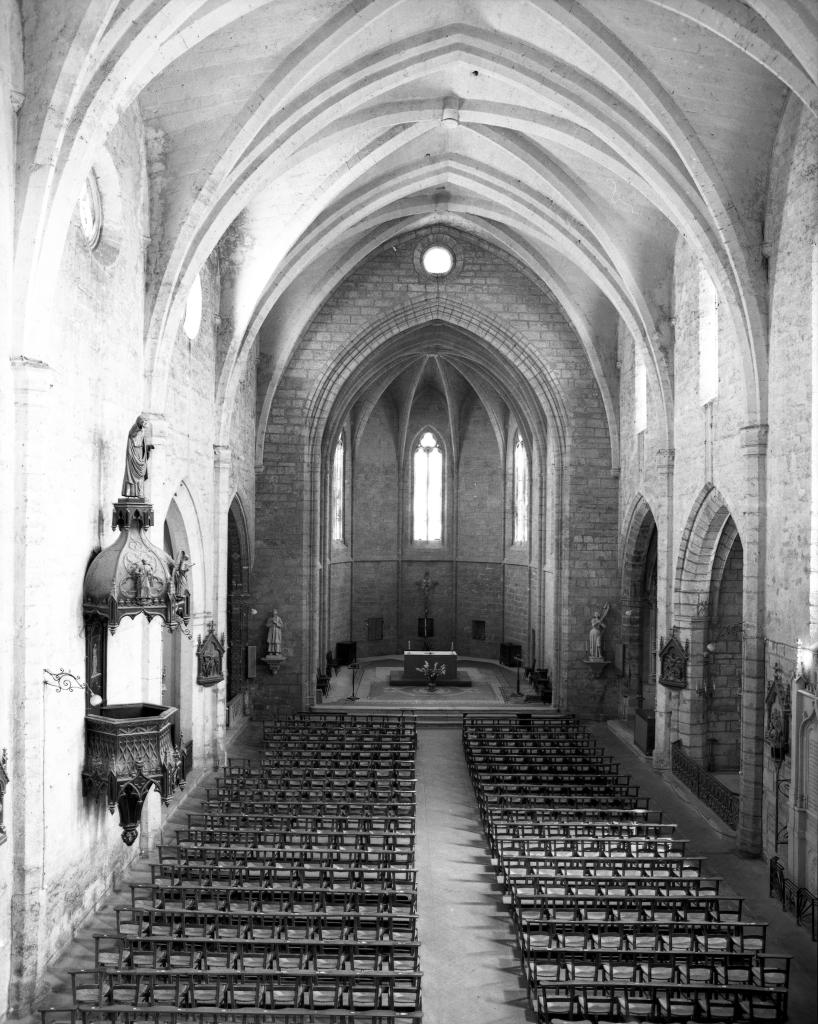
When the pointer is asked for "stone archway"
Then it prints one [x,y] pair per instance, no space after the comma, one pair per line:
[639,603]
[238,611]
[722,683]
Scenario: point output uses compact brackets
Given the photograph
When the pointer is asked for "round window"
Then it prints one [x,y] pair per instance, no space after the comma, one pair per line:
[438,260]
[90,211]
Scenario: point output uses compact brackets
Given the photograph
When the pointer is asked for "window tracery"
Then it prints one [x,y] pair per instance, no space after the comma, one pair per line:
[338,491]
[519,532]
[708,338]
[427,497]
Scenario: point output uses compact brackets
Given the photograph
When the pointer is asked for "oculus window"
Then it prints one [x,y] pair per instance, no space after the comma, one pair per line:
[338,491]
[427,498]
[438,260]
[90,211]
[519,532]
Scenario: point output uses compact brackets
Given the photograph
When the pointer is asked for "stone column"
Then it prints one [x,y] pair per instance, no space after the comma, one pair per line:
[214,703]
[693,704]
[33,528]
[666,461]
[9,104]
[754,543]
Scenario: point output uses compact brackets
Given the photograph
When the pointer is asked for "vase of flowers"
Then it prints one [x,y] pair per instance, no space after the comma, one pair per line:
[432,671]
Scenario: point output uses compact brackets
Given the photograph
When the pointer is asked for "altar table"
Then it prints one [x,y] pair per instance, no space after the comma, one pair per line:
[413,662]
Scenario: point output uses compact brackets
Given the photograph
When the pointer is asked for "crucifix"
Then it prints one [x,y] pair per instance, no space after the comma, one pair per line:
[426,626]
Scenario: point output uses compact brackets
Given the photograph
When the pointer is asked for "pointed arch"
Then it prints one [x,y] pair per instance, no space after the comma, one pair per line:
[697,552]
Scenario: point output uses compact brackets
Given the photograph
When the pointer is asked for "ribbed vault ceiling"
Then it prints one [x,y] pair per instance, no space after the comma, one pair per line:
[582,136]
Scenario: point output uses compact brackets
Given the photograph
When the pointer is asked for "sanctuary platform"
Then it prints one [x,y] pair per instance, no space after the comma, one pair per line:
[413,662]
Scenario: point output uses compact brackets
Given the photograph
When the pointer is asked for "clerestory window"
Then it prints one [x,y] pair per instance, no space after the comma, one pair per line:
[519,532]
[338,491]
[427,504]
[708,338]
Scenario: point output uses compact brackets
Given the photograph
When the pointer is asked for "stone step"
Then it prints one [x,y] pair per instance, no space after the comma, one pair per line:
[444,718]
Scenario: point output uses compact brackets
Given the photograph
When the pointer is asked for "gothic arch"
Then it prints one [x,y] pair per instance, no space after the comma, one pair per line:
[639,600]
[697,552]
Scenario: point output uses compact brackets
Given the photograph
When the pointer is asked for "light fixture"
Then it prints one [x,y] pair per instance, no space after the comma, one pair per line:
[66,682]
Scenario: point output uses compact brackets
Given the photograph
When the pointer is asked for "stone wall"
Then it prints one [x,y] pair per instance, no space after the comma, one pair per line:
[791,565]
[74,414]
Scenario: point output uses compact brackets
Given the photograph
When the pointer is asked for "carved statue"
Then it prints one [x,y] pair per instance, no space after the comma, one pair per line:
[596,631]
[141,573]
[137,453]
[179,571]
[275,630]
[427,585]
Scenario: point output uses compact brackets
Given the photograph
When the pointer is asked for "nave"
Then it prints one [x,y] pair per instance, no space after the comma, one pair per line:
[469,957]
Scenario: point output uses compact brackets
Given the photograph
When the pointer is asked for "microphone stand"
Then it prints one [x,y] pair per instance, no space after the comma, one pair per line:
[354,666]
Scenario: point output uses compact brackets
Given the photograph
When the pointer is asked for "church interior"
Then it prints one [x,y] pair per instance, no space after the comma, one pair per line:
[410,358]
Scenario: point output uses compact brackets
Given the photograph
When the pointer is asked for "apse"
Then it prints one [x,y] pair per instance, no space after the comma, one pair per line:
[428,534]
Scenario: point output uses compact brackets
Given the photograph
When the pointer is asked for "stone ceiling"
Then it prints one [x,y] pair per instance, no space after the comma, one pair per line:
[583,137]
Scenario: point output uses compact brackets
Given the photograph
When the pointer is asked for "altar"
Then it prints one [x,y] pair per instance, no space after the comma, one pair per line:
[413,662]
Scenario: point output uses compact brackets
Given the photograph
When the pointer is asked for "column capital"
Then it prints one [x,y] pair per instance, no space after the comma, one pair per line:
[666,459]
[31,374]
[221,455]
[754,438]
[157,424]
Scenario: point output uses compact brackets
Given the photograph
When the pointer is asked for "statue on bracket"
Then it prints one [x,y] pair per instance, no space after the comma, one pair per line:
[275,633]
[132,576]
[209,653]
[595,655]
[274,657]
[595,652]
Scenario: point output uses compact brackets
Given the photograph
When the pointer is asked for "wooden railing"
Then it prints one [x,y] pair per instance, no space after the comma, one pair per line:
[705,786]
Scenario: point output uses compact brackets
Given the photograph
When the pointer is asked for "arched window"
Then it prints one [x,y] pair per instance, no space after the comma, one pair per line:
[640,398]
[338,491]
[708,338]
[427,522]
[519,531]
[193,309]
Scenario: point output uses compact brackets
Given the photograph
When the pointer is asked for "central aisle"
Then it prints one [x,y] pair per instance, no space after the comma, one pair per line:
[471,973]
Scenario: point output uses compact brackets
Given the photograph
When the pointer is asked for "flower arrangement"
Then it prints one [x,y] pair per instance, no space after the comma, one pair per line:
[432,672]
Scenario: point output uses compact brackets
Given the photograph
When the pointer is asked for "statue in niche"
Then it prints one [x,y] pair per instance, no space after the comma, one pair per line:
[595,650]
[141,573]
[275,632]
[137,453]
[178,575]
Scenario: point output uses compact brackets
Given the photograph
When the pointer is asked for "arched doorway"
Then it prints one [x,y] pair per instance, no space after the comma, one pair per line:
[238,592]
[722,683]
[181,533]
[639,626]
[171,639]
[646,692]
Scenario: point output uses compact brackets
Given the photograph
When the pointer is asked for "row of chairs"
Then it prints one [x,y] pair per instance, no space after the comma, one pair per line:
[614,920]
[292,893]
